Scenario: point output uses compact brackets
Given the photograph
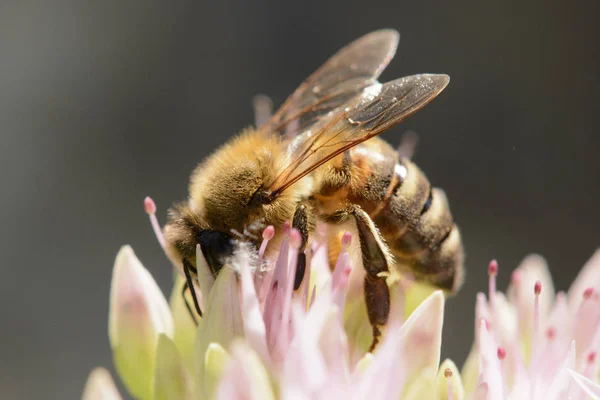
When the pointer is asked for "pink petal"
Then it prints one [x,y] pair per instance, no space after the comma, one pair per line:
[340,281]
[282,341]
[304,371]
[556,338]
[385,377]
[244,377]
[254,325]
[222,321]
[274,301]
[334,347]
[489,366]
[591,388]
[589,276]
[587,324]
[557,386]
[521,293]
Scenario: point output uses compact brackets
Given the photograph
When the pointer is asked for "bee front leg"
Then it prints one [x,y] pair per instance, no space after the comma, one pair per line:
[189,284]
[376,263]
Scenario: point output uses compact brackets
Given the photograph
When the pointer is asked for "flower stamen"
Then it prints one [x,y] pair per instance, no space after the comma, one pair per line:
[537,289]
[448,375]
[150,208]
[589,368]
[267,235]
[492,272]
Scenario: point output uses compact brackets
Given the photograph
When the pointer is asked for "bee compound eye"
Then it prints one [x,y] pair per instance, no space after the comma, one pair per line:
[216,246]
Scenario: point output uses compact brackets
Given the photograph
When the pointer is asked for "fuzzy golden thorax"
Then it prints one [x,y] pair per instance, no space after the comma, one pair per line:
[223,189]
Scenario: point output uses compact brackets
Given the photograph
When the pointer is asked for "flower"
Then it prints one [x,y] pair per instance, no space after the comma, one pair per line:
[534,344]
[260,339]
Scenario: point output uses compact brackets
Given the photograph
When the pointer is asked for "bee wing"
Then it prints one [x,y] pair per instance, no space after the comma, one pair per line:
[377,109]
[345,75]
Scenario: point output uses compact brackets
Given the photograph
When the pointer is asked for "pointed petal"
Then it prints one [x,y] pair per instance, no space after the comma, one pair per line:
[557,387]
[364,363]
[556,338]
[420,388]
[245,378]
[185,328]
[215,361]
[386,376]
[417,293]
[489,366]
[334,347]
[421,337]
[587,324]
[100,386]
[590,387]
[138,314]
[533,268]
[273,309]
[589,276]
[222,320]
[254,325]
[442,387]
[206,279]
[304,370]
[470,372]
[357,327]
[481,392]
[171,379]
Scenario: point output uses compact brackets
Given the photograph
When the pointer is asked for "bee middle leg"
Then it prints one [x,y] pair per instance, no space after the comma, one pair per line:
[301,221]
[375,261]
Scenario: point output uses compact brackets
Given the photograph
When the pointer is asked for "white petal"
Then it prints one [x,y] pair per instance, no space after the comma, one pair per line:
[304,371]
[171,379]
[557,387]
[533,268]
[421,337]
[470,372]
[442,388]
[244,378]
[589,276]
[206,279]
[254,325]
[591,388]
[100,386]
[385,377]
[185,328]
[138,314]
[222,321]
[489,365]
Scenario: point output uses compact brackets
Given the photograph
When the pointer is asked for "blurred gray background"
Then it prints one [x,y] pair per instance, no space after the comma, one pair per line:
[105,102]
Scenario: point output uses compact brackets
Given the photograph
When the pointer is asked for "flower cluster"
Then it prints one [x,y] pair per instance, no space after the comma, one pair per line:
[260,339]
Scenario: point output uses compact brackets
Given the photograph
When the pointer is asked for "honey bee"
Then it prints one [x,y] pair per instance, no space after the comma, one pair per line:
[317,159]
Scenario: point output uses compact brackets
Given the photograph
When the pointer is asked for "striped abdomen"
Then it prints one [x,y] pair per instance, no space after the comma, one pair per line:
[413,217]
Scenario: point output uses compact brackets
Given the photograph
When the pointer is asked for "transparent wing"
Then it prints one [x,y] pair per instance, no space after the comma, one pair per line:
[377,109]
[341,78]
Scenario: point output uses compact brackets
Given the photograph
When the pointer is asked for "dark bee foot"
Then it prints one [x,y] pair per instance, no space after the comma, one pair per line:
[189,284]
[187,305]
[375,262]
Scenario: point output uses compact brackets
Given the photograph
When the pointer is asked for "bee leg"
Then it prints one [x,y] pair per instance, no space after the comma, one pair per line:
[376,264]
[187,267]
[187,305]
[300,222]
